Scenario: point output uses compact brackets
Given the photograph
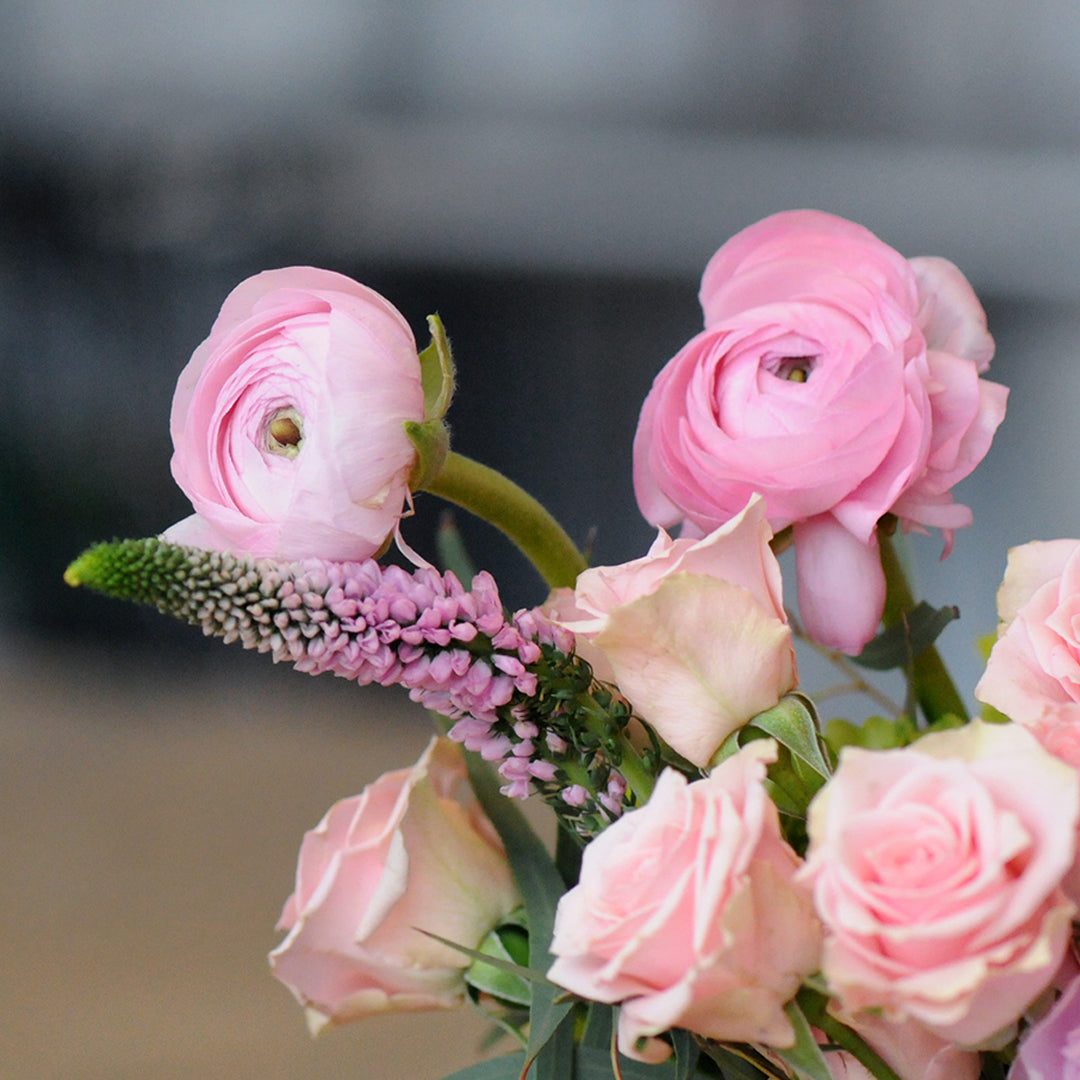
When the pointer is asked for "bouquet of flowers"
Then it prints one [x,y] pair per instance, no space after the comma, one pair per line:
[740,887]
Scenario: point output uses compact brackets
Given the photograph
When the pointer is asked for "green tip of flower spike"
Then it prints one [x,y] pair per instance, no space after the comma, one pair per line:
[147,571]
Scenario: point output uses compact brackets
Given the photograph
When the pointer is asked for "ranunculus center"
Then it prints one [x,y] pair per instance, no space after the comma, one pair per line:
[793,368]
[284,432]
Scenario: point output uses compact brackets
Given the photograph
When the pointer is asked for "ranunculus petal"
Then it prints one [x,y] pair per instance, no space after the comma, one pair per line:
[950,315]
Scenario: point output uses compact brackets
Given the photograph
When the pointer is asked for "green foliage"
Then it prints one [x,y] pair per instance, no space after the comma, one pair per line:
[915,631]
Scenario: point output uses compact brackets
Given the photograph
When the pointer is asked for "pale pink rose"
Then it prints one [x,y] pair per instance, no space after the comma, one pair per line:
[694,633]
[687,913]
[1050,1050]
[838,379]
[413,852]
[911,1051]
[937,871]
[287,421]
[1033,674]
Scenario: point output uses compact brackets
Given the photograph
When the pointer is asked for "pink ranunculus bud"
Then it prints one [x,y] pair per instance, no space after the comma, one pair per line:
[287,422]
[413,852]
[694,632]
[840,381]
[1050,1050]
[688,914]
[937,870]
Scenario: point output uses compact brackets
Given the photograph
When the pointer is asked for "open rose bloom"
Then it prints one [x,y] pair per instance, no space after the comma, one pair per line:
[688,914]
[839,380]
[287,421]
[937,870]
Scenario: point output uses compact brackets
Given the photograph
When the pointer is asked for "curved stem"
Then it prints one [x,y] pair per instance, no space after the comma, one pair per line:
[500,502]
[934,688]
[857,683]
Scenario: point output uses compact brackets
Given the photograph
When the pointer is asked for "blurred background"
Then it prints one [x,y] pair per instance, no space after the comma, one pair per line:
[551,178]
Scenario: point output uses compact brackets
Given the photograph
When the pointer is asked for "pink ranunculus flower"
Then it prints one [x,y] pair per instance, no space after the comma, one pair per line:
[688,914]
[1050,1050]
[838,379]
[694,633]
[287,421]
[413,852]
[937,871]
[1033,673]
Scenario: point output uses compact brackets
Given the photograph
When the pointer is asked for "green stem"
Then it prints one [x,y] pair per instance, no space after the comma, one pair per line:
[934,688]
[815,1009]
[500,502]
[638,779]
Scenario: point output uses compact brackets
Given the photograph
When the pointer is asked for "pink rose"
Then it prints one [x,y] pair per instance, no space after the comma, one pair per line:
[694,633]
[840,381]
[1033,674]
[287,421]
[688,914]
[413,852]
[911,1051]
[937,871]
[1051,1048]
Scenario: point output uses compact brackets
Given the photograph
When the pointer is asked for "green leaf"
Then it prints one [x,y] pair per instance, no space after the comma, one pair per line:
[501,1068]
[555,1059]
[875,733]
[437,371]
[494,971]
[915,631]
[805,1056]
[598,1026]
[792,722]
[733,1065]
[687,1053]
[451,550]
[595,1064]
[541,887]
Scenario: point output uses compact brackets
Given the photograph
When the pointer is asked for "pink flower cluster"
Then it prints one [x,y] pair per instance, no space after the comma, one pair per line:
[512,682]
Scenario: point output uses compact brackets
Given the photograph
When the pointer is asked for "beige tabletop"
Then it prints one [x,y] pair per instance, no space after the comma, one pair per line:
[151,815]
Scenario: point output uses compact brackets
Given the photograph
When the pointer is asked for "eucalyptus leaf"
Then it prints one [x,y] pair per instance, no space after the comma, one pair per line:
[687,1053]
[917,630]
[501,1068]
[541,887]
[555,1058]
[598,1026]
[733,1066]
